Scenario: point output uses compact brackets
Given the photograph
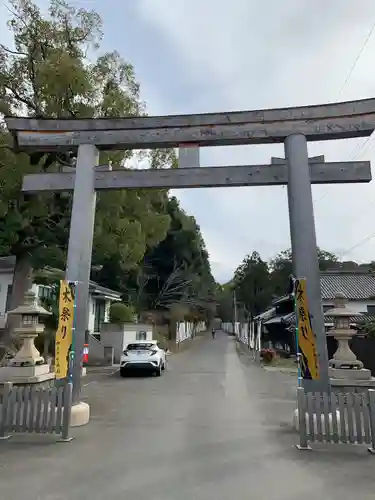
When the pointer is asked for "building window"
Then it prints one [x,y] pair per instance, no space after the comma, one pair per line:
[141,336]
[371,309]
[44,292]
[99,314]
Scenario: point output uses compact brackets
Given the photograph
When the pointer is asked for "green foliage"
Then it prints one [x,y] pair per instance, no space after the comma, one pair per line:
[369,328]
[146,246]
[224,299]
[121,313]
[47,73]
[281,268]
[256,283]
[174,272]
[252,284]
[161,339]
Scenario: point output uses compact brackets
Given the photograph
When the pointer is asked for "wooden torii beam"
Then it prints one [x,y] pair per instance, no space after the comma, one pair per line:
[275,174]
[266,126]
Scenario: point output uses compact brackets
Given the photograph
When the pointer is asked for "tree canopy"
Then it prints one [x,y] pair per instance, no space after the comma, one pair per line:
[257,282]
[55,69]
[177,270]
[47,73]
[252,284]
[281,267]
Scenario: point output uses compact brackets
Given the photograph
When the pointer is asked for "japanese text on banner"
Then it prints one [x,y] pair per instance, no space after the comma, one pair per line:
[309,365]
[64,334]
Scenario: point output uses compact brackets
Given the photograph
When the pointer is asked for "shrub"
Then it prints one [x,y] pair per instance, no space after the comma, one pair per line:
[369,328]
[268,355]
[121,313]
[162,340]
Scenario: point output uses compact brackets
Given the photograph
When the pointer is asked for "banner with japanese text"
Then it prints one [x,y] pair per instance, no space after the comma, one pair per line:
[308,357]
[64,334]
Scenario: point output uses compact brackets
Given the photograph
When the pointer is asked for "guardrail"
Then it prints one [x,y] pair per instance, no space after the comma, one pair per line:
[347,418]
[25,409]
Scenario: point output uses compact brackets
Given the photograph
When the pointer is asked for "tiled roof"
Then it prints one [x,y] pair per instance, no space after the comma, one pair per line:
[290,318]
[354,285]
[266,315]
[102,290]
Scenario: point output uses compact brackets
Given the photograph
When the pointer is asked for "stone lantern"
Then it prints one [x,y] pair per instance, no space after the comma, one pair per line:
[28,366]
[344,364]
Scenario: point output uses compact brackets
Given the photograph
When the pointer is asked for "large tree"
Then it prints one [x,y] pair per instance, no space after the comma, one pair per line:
[178,268]
[251,282]
[47,73]
[225,303]
[174,275]
[281,268]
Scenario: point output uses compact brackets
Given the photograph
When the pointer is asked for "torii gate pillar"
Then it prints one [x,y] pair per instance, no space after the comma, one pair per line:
[78,265]
[304,247]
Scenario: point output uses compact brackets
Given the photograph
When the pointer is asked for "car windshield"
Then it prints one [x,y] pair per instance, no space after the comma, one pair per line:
[140,347]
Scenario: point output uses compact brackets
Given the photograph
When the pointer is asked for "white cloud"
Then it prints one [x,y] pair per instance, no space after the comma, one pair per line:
[248,55]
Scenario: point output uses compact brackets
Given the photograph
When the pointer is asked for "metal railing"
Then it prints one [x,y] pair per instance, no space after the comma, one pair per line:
[347,418]
[25,409]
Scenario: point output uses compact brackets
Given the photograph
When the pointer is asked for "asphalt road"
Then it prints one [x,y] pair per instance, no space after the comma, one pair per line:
[214,427]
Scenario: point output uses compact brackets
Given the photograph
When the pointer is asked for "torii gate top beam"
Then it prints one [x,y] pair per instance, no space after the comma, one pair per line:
[317,123]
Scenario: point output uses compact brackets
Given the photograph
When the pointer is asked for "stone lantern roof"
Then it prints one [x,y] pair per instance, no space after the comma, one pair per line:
[30,307]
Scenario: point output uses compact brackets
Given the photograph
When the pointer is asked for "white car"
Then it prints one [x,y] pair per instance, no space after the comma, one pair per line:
[143,355]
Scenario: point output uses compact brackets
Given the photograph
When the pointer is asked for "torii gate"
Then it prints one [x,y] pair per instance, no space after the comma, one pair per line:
[291,126]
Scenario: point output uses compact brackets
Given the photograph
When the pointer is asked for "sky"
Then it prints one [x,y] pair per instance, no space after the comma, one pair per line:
[196,56]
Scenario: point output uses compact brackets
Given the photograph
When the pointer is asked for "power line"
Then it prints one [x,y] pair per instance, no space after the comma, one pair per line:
[359,244]
[367,39]
[364,45]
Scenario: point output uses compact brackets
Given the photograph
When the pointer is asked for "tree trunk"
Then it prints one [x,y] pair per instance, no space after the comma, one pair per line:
[22,281]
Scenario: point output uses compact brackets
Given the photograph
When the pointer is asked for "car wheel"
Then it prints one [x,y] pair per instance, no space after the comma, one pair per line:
[159,371]
[122,373]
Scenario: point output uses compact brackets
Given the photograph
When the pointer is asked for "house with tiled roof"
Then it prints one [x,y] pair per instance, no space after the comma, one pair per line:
[358,286]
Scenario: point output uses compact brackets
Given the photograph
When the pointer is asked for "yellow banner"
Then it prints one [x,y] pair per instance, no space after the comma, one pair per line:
[308,357]
[64,334]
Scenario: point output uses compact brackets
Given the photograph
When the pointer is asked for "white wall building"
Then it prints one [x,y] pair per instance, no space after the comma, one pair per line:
[100,298]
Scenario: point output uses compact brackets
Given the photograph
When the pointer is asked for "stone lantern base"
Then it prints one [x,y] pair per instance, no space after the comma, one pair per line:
[347,374]
[20,375]
[28,367]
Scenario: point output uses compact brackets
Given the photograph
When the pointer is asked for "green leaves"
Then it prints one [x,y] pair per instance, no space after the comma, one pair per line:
[145,245]
[257,282]
[48,75]
[251,280]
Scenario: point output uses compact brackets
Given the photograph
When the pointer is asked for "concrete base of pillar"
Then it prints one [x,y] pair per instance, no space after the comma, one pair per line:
[80,414]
